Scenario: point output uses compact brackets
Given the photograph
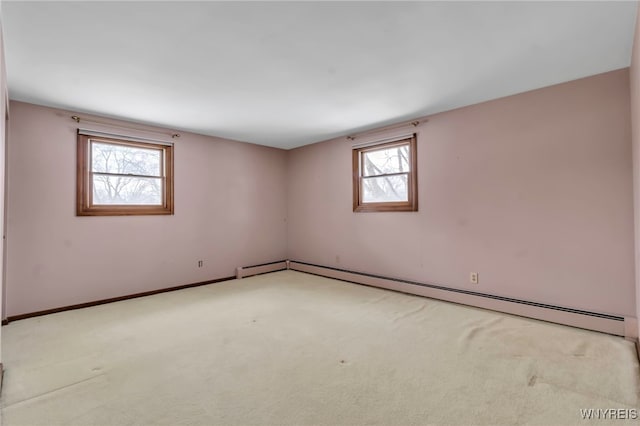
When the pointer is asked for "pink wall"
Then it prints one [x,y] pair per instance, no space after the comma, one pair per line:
[634,74]
[230,209]
[3,125]
[532,191]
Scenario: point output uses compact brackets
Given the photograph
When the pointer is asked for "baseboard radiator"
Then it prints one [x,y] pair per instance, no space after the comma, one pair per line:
[605,323]
[263,268]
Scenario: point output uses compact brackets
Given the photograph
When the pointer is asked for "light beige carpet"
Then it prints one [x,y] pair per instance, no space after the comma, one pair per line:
[291,348]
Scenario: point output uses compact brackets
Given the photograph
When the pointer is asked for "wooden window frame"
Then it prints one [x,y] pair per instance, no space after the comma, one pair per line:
[84,182]
[412,179]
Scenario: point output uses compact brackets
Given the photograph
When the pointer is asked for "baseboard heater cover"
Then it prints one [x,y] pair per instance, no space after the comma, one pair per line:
[263,268]
[567,316]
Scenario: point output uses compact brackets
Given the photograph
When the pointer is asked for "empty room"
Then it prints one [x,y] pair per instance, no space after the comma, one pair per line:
[319,213]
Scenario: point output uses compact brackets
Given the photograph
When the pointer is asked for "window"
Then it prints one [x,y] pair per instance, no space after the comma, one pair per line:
[123,177]
[385,177]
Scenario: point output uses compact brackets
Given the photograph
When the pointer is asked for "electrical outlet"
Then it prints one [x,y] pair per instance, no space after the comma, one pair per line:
[473,277]
[200,263]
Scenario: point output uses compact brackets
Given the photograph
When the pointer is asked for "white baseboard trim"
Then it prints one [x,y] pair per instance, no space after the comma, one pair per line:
[605,323]
[264,268]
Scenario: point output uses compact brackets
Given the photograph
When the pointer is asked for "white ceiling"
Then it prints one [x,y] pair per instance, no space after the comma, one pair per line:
[286,74]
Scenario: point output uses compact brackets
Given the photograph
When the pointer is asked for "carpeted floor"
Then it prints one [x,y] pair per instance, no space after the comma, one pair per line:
[297,349]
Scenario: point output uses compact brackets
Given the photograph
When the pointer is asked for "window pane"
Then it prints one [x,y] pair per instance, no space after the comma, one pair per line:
[385,189]
[383,161]
[111,158]
[126,190]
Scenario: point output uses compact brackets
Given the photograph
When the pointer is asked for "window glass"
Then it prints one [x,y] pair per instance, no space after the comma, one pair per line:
[385,177]
[120,177]
[389,160]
